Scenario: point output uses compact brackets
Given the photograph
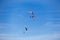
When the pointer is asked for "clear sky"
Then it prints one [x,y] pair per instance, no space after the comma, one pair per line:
[14,17]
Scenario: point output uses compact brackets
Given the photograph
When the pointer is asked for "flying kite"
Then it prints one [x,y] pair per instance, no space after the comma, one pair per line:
[32,14]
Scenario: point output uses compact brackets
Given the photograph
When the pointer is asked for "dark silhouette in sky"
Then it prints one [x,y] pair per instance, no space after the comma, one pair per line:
[32,14]
[26,28]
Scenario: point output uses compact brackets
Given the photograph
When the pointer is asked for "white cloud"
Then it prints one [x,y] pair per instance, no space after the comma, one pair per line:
[54,18]
[36,37]
[3,25]
[51,24]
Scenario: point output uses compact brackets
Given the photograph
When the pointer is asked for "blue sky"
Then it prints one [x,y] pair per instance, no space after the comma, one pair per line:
[14,17]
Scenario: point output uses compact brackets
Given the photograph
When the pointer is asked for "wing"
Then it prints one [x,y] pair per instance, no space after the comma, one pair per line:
[30,11]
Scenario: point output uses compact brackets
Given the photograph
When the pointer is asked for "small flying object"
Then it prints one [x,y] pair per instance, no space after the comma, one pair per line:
[26,28]
[32,14]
